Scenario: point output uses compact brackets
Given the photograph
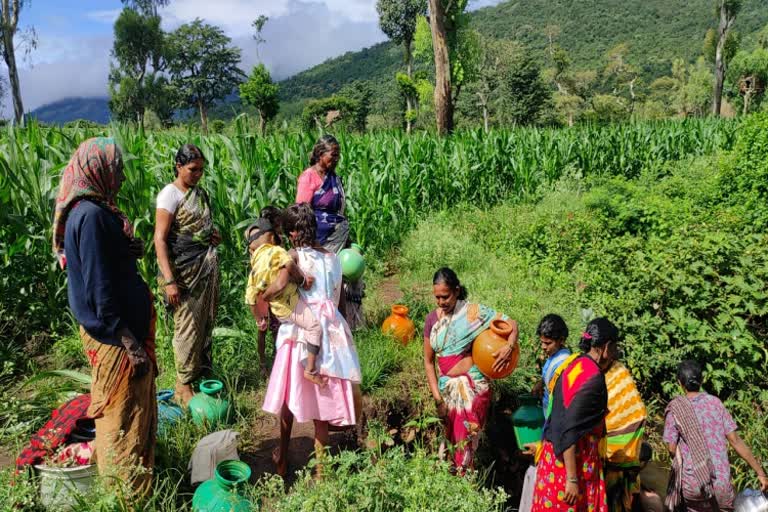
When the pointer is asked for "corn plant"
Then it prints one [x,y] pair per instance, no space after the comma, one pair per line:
[391,180]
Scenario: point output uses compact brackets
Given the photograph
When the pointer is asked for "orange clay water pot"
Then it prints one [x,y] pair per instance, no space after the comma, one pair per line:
[398,325]
[489,342]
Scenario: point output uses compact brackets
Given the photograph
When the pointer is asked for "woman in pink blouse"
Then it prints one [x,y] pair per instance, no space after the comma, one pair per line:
[321,187]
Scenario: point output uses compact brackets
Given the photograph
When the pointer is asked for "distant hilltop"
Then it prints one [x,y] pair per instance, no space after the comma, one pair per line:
[655,31]
[70,109]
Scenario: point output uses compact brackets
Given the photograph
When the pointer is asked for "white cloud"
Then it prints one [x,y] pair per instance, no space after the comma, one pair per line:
[108,17]
[80,68]
[235,16]
[300,34]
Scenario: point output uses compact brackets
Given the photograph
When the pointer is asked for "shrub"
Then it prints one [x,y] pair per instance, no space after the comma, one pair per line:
[392,481]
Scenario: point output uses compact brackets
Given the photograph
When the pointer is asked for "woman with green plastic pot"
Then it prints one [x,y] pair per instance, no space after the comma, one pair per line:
[321,187]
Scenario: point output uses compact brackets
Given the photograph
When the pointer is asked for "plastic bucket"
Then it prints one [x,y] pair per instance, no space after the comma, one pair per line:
[58,486]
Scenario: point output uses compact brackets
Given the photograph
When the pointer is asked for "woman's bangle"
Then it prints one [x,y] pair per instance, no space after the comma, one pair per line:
[163,282]
[573,479]
[439,401]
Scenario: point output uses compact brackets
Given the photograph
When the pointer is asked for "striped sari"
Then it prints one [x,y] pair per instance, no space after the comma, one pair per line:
[466,396]
[625,426]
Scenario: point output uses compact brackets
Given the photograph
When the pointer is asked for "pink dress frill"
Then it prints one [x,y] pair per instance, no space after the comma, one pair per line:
[333,402]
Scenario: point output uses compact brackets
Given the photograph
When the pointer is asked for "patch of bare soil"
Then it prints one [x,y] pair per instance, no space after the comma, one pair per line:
[7,459]
[389,290]
[266,436]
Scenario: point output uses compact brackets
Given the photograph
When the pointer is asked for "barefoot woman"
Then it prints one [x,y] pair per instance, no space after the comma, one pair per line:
[185,241]
[334,401]
[461,392]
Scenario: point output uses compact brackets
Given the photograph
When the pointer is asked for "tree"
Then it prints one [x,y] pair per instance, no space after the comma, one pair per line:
[748,76]
[573,88]
[203,66]
[258,27]
[494,60]
[139,50]
[146,7]
[328,111]
[727,11]
[361,94]
[525,94]
[439,24]
[260,92]
[9,23]
[455,51]
[397,19]
[620,74]
[709,48]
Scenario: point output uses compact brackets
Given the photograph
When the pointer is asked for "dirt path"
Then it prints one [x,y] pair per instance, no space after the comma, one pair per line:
[389,290]
[266,433]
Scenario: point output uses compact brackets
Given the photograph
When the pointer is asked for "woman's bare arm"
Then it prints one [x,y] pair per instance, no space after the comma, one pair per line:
[163,221]
[429,368]
[571,487]
[745,453]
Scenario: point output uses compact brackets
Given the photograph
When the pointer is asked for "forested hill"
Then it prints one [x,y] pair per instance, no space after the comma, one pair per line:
[657,31]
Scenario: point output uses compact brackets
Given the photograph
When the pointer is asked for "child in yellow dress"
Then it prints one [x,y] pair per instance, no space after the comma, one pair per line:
[272,285]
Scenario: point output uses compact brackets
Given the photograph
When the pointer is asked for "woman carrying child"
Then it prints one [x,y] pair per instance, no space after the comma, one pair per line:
[334,401]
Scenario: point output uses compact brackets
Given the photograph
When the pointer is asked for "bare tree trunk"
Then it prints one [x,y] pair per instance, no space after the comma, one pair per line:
[408,99]
[203,117]
[726,20]
[262,124]
[443,100]
[747,101]
[10,20]
[485,118]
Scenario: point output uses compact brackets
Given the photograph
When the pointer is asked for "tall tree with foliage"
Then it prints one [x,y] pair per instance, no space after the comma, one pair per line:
[525,93]
[139,49]
[260,92]
[397,19]
[203,66]
[359,93]
[727,11]
[494,59]
[9,24]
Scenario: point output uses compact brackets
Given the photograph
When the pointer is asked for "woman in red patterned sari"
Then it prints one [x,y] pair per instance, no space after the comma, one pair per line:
[569,472]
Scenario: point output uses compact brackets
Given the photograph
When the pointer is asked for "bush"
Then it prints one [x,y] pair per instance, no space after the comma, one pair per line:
[392,481]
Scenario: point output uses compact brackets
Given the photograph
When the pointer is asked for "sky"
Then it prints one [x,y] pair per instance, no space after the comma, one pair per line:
[74,39]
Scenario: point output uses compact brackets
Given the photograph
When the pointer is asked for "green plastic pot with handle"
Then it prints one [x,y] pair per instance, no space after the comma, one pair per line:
[352,262]
[207,406]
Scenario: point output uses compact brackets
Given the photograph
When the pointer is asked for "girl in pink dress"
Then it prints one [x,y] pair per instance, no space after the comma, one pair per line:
[336,401]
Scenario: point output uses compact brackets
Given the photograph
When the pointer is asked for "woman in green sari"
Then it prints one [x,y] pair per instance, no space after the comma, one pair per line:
[185,241]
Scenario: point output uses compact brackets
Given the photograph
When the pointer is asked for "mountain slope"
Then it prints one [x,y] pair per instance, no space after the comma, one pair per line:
[70,109]
[657,32]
